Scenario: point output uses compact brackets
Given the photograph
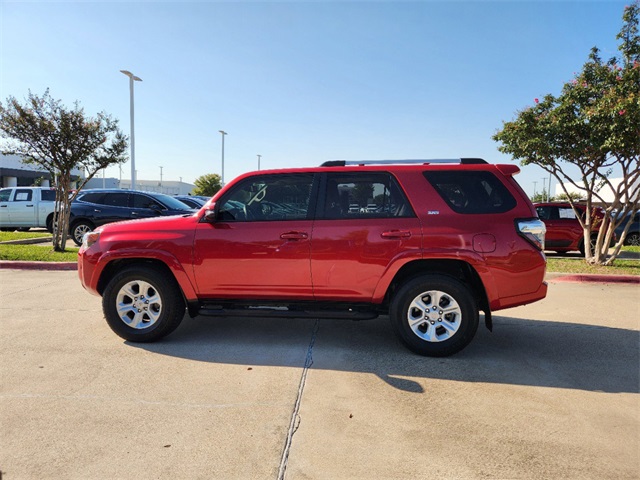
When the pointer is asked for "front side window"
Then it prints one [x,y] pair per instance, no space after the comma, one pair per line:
[4,195]
[268,198]
[471,192]
[22,196]
[142,201]
[363,195]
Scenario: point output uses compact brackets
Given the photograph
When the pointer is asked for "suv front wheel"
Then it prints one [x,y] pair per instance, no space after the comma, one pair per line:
[143,304]
[434,315]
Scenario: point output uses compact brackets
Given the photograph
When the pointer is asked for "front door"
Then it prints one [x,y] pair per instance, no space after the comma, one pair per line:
[259,245]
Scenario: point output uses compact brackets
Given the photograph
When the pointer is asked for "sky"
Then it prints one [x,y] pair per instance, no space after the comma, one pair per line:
[301,82]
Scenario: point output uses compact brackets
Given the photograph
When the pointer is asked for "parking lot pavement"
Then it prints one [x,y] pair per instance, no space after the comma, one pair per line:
[553,392]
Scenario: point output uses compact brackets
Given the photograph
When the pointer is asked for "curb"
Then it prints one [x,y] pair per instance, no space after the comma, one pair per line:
[27,241]
[586,278]
[19,265]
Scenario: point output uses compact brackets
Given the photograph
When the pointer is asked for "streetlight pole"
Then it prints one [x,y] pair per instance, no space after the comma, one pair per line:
[534,188]
[132,78]
[544,184]
[223,134]
[259,157]
[161,179]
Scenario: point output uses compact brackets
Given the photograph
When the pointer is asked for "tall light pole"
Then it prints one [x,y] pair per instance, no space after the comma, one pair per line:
[534,188]
[259,157]
[222,176]
[544,184]
[161,179]
[132,78]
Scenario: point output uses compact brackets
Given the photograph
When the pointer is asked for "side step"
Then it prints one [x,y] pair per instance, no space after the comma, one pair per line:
[297,311]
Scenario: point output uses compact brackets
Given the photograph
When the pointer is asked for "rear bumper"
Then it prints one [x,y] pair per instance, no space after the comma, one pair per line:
[508,302]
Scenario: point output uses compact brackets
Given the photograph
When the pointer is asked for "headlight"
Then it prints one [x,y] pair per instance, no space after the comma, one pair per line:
[89,239]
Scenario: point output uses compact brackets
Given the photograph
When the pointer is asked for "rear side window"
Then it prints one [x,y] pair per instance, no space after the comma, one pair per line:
[48,195]
[92,198]
[363,195]
[472,192]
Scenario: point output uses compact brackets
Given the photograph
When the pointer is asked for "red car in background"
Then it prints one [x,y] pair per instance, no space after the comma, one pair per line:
[564,232]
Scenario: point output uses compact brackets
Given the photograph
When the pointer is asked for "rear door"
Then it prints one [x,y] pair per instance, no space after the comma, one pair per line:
[364,223]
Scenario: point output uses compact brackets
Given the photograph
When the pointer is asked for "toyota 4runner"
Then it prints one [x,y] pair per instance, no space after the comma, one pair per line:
[429,243]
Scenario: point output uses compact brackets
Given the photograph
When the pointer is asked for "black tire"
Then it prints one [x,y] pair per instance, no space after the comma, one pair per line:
[49,226]
[426,327]
[78,229]
[164,310]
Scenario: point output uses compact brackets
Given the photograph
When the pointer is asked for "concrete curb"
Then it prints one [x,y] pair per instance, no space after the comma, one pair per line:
[588,278]
[20,265]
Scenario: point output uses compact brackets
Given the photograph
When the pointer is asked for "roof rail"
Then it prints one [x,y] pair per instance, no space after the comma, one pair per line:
[347,163]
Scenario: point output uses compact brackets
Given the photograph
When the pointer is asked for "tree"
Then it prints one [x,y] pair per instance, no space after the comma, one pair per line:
[594,125]
[43,132]
[207,185]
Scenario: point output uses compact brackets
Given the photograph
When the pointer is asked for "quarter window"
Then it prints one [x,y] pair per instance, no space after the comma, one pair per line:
[472,192]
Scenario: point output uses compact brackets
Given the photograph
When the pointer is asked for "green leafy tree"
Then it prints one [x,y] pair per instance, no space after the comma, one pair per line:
[207,185]
[594,125]
[542,197]
[43,132]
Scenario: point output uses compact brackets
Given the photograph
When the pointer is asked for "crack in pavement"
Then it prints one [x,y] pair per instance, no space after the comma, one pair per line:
[295,416]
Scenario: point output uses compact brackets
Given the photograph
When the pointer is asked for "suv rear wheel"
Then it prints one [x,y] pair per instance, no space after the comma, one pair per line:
[434,315]
[143,304]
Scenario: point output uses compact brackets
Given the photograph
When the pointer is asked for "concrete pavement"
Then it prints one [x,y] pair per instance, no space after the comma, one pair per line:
[553,392]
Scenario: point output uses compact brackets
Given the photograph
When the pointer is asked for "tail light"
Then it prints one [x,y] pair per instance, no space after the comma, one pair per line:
[532,230]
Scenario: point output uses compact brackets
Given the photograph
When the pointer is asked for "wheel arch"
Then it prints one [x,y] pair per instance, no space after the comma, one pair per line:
[458,269]
[115,266]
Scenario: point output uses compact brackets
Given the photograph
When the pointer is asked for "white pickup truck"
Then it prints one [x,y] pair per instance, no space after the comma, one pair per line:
[22,208]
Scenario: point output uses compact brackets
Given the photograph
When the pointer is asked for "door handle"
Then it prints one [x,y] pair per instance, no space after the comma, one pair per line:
[29,206]
[396,234]
[294,236]
[96,210]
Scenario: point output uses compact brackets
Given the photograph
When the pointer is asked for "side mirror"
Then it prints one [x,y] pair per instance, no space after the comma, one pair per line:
[210,214]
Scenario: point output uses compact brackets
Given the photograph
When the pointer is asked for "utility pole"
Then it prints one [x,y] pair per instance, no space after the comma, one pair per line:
[161,179]
[534,188]
[259,156]
[223,135]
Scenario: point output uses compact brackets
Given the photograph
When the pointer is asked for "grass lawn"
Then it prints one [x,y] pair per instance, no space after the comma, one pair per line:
[6,236]
[37,253]
[579,266]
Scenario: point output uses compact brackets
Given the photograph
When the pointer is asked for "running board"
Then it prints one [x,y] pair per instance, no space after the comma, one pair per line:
[286,312]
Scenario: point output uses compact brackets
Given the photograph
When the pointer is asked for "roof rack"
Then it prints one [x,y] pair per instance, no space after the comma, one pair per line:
[347,163]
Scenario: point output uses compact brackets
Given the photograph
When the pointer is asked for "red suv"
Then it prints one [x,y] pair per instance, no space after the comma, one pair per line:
[564,233]
[430,244]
